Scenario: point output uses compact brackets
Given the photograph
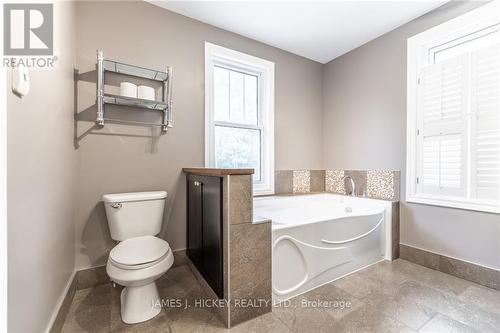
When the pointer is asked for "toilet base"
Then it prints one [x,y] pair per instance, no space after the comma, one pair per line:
[139,304]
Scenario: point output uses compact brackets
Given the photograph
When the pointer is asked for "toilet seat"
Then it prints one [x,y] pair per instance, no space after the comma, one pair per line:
[139,252]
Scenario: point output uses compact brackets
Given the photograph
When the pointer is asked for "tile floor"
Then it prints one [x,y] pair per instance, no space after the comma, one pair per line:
[396,296]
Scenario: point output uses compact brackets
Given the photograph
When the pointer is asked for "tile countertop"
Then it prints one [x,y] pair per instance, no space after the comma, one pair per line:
[257,219]
[217,171]
[323,192]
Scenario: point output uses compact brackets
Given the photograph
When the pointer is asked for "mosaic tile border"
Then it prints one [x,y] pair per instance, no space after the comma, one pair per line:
[377,184]
[333,181]
[380,184]
[301,181]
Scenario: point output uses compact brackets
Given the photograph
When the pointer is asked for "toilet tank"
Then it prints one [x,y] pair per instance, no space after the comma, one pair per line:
[134,214]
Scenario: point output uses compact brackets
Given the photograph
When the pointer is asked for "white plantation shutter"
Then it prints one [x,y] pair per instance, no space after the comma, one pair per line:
[485,123]
[453,115]
[442,141]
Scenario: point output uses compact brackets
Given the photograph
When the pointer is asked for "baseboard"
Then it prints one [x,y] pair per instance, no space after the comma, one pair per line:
[482,275]
[62,307]
[91,277]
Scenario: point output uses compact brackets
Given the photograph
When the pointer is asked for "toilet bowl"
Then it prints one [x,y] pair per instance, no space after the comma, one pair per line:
[139,258]
[135,264]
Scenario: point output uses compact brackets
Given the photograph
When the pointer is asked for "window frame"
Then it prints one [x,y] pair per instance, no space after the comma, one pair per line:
[421,49]
[216,55]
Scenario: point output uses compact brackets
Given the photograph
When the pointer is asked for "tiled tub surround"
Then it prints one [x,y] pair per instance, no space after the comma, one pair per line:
[377,184]
[246,251]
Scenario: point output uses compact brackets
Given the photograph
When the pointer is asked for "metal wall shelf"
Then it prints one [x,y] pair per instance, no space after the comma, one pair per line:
[134,102]
[121,68]
[165,106]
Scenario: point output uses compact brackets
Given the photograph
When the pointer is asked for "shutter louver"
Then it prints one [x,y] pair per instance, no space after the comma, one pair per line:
[485,140]
[443,102]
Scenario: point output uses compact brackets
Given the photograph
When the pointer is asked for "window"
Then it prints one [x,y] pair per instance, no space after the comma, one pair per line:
[453,130]
[239,114]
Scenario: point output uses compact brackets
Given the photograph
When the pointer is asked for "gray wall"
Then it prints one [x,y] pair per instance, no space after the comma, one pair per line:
[41,188]
[364,100]
[140,33]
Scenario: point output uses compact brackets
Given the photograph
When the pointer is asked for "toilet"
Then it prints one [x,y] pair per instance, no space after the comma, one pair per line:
[140,257]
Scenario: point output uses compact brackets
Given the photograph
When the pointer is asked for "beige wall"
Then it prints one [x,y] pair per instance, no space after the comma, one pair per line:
[364,99]
[140,33]
[41,188]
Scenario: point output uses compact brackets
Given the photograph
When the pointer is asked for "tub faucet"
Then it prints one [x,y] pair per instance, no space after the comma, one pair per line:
[353,185]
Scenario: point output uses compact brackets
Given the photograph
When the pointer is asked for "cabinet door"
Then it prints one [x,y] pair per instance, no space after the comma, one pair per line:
[212,232]
[194,219]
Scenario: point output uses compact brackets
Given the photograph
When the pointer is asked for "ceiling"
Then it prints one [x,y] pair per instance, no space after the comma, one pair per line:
[320,31]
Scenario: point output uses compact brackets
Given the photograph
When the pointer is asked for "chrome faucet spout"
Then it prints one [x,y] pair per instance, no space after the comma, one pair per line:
[353,185]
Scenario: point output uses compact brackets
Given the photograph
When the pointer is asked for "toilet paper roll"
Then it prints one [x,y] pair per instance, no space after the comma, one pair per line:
[145,92]
[128,89]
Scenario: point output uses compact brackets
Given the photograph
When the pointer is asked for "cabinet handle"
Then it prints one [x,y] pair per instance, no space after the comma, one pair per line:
[197,183]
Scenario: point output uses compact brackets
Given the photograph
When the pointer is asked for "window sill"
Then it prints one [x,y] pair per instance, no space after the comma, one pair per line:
[449,203]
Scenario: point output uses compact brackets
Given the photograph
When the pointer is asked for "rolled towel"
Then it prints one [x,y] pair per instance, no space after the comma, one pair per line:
[128,89]
[145,92]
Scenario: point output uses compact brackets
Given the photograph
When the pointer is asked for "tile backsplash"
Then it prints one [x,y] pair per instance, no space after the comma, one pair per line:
[301,181]
[317,181]
[380,184]
[333,181]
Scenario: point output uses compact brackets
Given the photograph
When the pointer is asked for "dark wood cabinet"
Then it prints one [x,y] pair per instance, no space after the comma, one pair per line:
[204,228]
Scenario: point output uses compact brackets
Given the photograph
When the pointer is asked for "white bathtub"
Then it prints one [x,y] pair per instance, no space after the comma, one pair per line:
[318,238]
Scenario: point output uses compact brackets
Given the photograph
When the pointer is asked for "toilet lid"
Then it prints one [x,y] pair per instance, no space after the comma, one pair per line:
[139,250]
